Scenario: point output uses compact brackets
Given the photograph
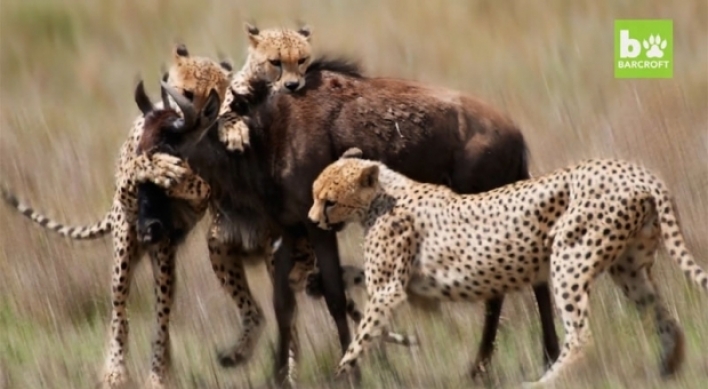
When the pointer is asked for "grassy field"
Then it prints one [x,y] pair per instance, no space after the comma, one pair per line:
[67,72]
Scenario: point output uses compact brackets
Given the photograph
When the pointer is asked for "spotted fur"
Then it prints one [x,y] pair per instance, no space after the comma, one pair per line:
[278,56]
[93,231]
[568,227]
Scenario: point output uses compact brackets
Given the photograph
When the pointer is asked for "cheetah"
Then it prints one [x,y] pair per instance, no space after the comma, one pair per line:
[169,173]
[188,195]
[279,56]
[567,227]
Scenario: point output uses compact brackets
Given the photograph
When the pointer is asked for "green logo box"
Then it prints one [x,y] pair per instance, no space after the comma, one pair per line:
[644,48]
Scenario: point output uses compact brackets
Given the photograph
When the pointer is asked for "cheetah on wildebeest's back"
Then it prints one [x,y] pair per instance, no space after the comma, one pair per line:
[568,227]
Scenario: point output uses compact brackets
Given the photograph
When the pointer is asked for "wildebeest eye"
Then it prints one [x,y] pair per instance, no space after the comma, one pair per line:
[301,61]
[275,62]
[189,95]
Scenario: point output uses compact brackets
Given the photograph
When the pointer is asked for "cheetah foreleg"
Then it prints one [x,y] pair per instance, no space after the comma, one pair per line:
[162,169]
[191,188]
[376,317]
[233,132]
[353,277]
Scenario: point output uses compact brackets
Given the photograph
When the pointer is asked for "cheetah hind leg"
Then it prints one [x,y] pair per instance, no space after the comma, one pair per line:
[354,277]
[632,274]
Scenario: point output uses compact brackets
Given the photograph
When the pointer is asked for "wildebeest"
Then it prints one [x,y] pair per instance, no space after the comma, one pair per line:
[430,134]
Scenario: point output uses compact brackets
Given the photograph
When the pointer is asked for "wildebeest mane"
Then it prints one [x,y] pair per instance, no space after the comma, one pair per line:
[259,92]
[343,66]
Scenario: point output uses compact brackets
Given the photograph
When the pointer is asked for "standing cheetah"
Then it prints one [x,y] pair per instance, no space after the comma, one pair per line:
[197,78]
[566,227]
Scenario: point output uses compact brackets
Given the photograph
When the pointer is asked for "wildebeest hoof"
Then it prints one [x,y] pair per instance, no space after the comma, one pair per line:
[480,372]
[230,359]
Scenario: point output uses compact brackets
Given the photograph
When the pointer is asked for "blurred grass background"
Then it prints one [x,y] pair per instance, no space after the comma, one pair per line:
[67,73]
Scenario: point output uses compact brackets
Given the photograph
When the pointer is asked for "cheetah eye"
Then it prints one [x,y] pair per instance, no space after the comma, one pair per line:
[189,95]
[301,61]
[275,62]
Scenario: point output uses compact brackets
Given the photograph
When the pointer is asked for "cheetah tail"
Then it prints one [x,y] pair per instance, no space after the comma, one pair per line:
[92,231]
[674,241]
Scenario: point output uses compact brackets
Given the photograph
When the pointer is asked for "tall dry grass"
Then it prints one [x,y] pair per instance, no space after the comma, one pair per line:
[67,72]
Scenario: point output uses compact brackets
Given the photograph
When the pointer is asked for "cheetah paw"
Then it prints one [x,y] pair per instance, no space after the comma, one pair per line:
[115,380]
[168,170]
[234,135]
[154,381]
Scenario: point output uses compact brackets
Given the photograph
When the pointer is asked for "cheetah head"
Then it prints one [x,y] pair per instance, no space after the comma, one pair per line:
[343,192]
[280,56]
[195,77]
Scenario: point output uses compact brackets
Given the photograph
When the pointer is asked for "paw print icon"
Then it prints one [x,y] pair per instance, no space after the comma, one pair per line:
[655,46]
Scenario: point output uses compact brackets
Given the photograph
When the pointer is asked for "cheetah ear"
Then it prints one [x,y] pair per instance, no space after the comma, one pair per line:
[226,65]
[180,53]
[253,34]
[305,31]
[224,62]
[353,152]
[369,176]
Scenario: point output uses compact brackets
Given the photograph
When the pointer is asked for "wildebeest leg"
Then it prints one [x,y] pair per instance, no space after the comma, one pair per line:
[125,255]
[284,304]
[162,259]
[325,245]
[491,323]
[551,349]
[492,313]
[301,248]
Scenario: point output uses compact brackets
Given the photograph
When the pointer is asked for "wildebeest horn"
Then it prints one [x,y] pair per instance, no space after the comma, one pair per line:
[188,112]
[165,98]
[142,100]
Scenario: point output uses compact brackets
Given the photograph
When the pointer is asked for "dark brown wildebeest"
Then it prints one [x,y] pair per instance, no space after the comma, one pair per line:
[430,134]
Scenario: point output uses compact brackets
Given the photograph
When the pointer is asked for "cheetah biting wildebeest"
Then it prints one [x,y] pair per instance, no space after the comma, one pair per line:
[566,227]
[277,57]
[197,78]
